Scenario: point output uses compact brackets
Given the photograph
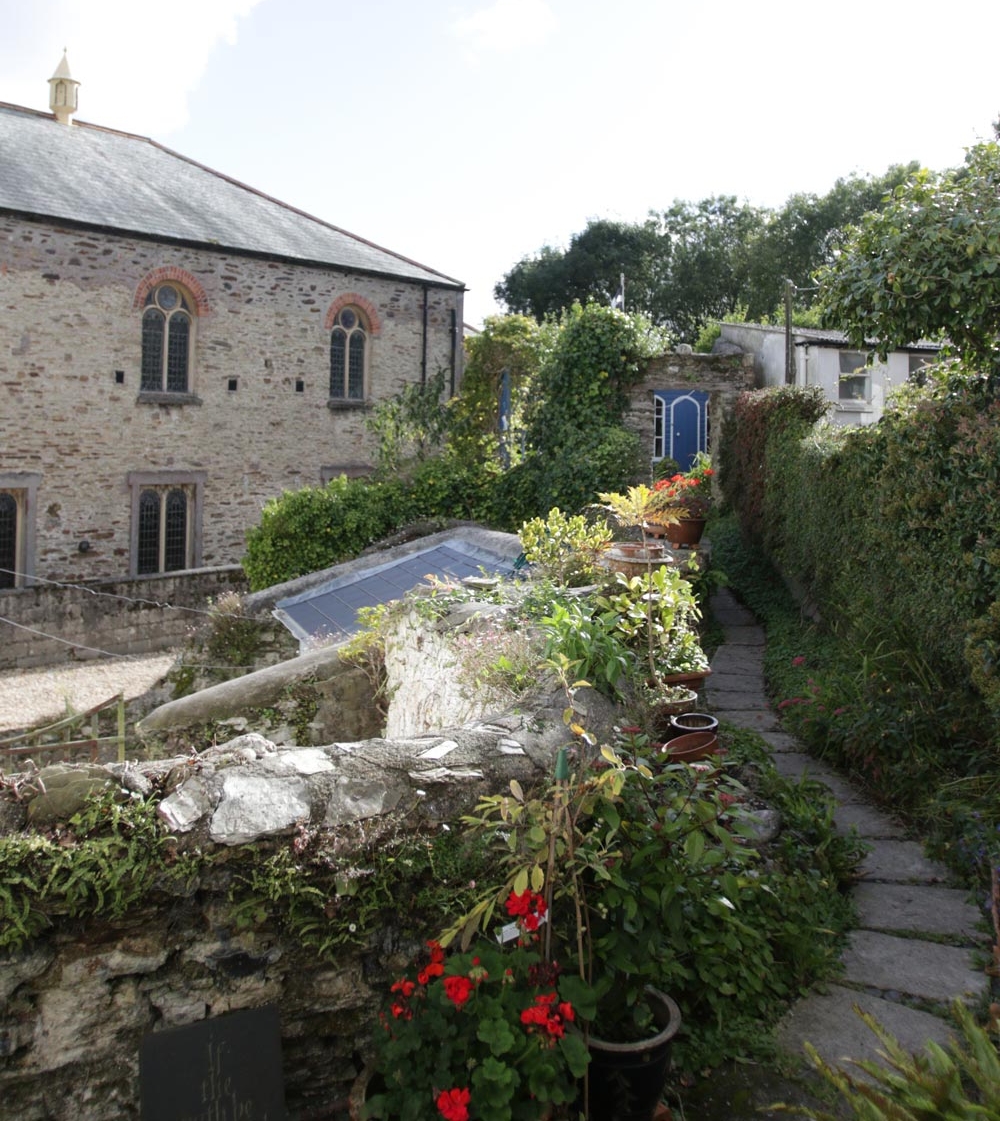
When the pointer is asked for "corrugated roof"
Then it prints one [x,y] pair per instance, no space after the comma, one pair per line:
[97,177]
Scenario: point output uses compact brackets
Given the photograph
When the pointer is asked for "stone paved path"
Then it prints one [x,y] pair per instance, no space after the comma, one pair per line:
[918,932]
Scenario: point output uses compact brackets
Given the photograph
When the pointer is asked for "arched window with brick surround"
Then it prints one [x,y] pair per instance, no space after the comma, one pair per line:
[171,302]
[348,355]
[167,337]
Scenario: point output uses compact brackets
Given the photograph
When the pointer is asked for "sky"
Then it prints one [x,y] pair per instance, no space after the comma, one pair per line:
[468,134]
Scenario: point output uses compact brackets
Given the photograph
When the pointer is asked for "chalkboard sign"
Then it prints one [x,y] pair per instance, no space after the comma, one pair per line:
[224,1069]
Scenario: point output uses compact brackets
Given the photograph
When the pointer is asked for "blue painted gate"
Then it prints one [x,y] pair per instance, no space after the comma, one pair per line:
[680,426]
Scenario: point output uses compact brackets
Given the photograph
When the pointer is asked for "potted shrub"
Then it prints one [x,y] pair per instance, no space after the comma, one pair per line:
[610,846]
[690,492]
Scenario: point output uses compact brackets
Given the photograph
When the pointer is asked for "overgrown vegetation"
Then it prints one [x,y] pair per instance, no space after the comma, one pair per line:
[892,534]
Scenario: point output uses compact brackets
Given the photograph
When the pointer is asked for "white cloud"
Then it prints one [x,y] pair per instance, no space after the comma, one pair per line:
[136,64]
[506,25]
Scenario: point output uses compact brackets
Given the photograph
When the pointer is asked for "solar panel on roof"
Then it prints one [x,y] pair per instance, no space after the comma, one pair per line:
[331,610]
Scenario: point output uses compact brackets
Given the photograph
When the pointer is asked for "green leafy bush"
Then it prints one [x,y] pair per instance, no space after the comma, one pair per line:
[310,529]
[565,549]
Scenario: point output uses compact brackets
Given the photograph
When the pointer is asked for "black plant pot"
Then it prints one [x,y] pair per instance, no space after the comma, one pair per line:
[626,1079]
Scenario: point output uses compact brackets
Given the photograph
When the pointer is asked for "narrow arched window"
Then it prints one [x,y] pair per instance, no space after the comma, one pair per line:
[167,322]
[8,540]
[348,344]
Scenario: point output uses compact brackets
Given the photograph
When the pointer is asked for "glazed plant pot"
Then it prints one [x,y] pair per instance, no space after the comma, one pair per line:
[686,722]
[691,747]
[626,1079]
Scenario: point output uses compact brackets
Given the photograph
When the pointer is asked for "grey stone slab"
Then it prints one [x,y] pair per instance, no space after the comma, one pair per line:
[796,764]
[736,698]
[727,681]
[744,636]
[757,720]
[841,788]
[922,970]
[921,908]
[735,617]
[781,741]
[743,660]
[829,1022]
[902,862]
[868,821]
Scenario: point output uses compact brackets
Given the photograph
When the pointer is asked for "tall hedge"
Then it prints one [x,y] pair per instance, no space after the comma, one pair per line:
[893,529]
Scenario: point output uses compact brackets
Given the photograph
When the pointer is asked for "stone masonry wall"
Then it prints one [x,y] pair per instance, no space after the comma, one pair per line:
[150,615]
[71,327]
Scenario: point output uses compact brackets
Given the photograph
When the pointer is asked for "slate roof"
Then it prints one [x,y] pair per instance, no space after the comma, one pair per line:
[100,178]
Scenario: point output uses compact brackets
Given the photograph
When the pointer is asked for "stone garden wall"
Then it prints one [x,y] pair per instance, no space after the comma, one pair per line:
[136,616]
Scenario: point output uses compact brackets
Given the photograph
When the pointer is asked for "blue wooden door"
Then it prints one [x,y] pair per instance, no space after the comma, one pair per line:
[680,425]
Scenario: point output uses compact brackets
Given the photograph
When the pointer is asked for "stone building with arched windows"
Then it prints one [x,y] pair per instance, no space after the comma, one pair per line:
[176,348]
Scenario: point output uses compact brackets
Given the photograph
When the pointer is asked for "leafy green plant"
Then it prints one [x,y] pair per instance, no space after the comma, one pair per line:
[410,426]
[565,548]
[596,651]
[654,615]
[105,860]
[310,529]
[233,638]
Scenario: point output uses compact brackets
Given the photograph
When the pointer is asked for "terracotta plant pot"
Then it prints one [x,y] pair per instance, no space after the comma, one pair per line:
[687,531]
[691,680]
[691,747]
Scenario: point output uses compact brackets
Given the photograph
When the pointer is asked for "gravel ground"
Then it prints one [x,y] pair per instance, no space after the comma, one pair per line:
[33,695]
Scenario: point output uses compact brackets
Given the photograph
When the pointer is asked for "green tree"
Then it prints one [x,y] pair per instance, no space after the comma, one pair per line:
[705,272]
[589,270]
[801,236]
[699,261]
[926,265]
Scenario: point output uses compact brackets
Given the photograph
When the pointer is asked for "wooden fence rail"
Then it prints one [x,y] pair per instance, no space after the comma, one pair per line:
[58,739]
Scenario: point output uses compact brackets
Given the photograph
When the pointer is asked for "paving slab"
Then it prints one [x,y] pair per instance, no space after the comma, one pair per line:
[748,698]
[902,862]
[828,1021]
[781,741]
[753,718]
[744,636]
[737,683]
[921,908]
[794,764]
[868,821]
[914,968]
[739,659]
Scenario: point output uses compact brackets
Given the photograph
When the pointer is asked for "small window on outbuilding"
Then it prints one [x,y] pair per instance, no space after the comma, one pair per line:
[855,376]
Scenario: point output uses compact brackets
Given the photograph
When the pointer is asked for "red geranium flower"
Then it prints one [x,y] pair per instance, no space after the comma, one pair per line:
[453,1105]
[457,989]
